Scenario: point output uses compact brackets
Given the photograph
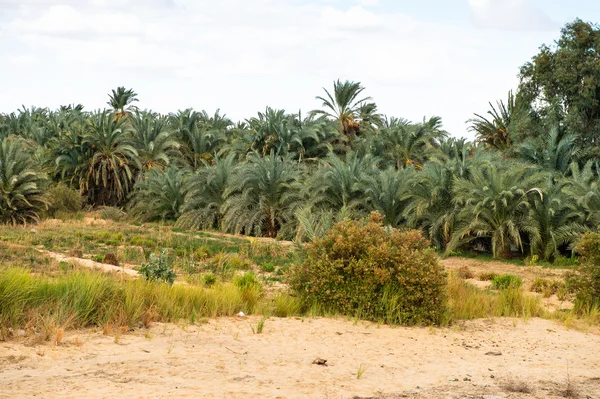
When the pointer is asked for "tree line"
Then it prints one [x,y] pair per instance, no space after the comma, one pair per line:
[528,184]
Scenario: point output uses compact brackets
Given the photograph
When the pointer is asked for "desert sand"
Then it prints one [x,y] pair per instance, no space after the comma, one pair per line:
[224,358]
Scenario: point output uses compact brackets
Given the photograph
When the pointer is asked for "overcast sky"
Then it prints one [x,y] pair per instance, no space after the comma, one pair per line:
[416,58]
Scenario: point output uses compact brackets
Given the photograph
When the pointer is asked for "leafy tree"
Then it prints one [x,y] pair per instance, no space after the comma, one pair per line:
[567,75]
[21,185]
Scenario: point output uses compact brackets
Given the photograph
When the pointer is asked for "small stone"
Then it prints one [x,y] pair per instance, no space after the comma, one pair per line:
[320,362]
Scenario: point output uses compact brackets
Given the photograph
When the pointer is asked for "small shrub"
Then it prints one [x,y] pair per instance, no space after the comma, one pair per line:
[140,241]
[267,267]
[585,282]
[465,273]
[157,268]
[487,276]
[76,253]
[374,272]
[63,200]
[202,253]
[236,262]
[506,281]
[546,287]
[111,259]
[563,261]
[209,279]
[285,305]
[98,258]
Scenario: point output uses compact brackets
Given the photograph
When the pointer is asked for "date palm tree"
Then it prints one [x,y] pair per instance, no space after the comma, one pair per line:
[121,101]
[159,195]
[108,175]
[206,194]
[496,203]
[156,145]
[263,195]
[345,105]
[21,185]
[493,130]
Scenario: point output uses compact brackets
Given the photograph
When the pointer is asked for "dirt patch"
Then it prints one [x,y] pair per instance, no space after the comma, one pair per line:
[224,358]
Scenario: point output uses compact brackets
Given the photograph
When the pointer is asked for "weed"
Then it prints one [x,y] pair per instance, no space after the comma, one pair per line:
[506,281]
[487,276]
[465,273]
[361,370]
[260,326]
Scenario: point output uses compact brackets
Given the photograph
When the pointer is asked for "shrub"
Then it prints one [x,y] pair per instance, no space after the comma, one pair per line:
[63,199]
[111,259]
[112,213]
[209,279]
[158,268]
[487,276]
[506,281]
[585,282]
[563,261]
[546,287]
[376,272]
[465,273]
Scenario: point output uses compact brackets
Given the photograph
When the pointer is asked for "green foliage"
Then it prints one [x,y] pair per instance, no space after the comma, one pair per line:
[506,281]
[63,199]
[586,281]
[22,185]
[374,272]
[159,195]
[158,269]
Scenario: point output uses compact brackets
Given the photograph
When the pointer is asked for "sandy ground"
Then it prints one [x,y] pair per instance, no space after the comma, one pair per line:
[225,359]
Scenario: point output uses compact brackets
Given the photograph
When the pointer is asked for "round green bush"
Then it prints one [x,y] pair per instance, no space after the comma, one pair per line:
[374,272]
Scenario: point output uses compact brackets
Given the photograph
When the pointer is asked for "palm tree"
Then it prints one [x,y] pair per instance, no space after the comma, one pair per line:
[159,195]
[121,101]
[345,106]
[493,131]
[584,189]
[496,203]
[262,196]
[334,184]
[21,185]
[155,144]
[386,193]
[559,220]
[552,152]
[108,175]
[206,194]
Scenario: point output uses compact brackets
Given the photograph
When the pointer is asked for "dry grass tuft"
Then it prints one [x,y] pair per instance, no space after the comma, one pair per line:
[517,386]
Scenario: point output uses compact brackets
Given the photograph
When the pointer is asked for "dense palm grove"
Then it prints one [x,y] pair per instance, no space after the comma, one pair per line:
[529,184]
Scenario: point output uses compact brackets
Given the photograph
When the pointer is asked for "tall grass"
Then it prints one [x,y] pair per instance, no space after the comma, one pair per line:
[86,299]
[467,302]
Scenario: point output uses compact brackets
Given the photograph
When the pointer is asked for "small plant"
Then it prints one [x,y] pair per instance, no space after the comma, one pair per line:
[260,326]
[63,200]
[533,261]
[110,259]
[564,262]
[209,279]
[202,253]
[465,273]
[487,276]
[517,386]
[506,281]
[267,267]
[98,258]
[361,370]
[157,268]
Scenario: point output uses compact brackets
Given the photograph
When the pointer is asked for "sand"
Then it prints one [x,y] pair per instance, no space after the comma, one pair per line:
[225,359]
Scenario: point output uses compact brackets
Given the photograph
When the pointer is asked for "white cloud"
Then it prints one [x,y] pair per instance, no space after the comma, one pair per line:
[510,15]
[241,55]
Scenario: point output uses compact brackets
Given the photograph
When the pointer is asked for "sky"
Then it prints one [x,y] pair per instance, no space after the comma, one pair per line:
[416,58]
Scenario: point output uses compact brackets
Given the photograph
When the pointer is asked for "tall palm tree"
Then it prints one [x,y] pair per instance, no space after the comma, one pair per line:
[583,187]
[21,185]
[493,130]
[110,170]
[121,101]
[263,195]
[495,203]
[344,105]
